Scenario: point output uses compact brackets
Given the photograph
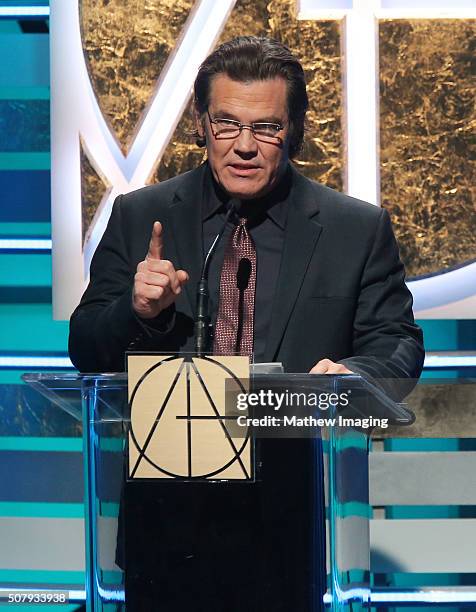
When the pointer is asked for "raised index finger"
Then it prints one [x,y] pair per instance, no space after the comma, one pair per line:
[155,244]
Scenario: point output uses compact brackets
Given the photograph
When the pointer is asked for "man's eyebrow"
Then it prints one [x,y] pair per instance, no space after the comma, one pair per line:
[270,119]
[225,115]
[221,114]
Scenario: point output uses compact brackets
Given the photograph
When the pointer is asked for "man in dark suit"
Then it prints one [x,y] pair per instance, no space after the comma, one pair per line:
[329,298]
[330,292]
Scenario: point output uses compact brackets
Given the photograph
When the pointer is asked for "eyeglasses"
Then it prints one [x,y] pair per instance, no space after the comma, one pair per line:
[229,128]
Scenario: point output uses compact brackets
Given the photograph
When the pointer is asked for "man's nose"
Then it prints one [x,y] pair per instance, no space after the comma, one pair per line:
[245,143]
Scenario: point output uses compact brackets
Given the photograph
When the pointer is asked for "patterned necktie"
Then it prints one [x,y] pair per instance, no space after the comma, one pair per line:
[234,325]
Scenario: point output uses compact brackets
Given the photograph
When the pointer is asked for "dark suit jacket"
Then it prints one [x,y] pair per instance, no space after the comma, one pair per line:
[340,293]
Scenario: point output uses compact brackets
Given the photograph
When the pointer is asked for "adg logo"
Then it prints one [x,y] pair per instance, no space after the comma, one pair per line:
[178,425]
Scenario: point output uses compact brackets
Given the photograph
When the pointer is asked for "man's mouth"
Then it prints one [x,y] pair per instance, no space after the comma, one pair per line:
[243,169]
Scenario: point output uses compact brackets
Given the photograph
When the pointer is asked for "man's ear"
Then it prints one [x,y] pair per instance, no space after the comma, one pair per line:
[199,122]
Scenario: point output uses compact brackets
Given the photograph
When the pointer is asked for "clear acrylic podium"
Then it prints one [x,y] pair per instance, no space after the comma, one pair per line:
[336,457]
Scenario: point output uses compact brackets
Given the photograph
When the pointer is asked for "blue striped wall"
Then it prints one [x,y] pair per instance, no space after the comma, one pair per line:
[40,446]
[26,323]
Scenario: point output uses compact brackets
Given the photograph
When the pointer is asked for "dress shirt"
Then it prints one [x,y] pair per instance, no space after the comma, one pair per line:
[266,225]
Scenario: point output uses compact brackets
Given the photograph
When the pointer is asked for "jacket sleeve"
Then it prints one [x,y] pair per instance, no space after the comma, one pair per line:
[387,344]
[104,324]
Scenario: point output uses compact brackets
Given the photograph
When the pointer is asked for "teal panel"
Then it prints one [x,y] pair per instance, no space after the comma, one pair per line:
[25,60]
[25,270]
[112,576]
[9,26]
[41,510]
[111,444]
[25,161]
[11,377]
[19,321]
[427,445]
[20,230]
[422,512]
[25,2]
[24,443]
[24,93]
[109,509]
[440,334]
[439,374]
[355,509]
[417,579]
[42,577]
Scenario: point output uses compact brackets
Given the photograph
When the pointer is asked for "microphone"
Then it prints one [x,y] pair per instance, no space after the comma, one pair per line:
[243,275]
[203,325]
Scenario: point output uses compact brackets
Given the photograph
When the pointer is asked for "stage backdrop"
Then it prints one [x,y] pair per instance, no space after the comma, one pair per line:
[392,118]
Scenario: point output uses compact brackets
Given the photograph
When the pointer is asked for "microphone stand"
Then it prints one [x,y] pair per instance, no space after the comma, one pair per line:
[203,325]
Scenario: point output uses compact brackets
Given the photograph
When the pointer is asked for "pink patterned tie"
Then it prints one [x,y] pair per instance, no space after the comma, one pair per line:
[234,325]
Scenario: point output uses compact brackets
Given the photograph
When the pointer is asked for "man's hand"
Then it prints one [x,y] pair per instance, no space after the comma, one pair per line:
[326,366]
[156,283]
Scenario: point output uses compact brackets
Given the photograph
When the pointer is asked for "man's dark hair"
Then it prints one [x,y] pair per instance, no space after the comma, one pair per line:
[252,58]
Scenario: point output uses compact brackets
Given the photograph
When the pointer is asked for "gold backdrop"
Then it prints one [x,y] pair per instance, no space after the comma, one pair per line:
[317,44]
[126,44]
[427,114]
[427,139]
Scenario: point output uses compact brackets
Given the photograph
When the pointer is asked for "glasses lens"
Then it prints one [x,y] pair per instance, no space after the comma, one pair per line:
[227,127]
[266,130]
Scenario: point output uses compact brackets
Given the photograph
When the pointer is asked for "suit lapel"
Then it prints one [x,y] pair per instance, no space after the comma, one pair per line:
[186,225]
[300,239]
[301,236]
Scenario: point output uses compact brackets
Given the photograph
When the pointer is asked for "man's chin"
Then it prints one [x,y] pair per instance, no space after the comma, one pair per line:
[241,192]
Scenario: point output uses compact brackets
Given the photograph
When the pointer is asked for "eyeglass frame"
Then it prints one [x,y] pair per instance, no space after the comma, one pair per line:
[249,126]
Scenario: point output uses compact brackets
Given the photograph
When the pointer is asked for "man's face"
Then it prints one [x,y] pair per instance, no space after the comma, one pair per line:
[247,166]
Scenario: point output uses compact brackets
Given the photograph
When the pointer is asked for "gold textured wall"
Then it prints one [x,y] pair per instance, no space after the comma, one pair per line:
[94,188]
[427,115]
[317,44]
[126,44]
[427,140]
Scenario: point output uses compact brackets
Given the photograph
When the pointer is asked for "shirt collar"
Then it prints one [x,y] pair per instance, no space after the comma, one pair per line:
[274,205]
